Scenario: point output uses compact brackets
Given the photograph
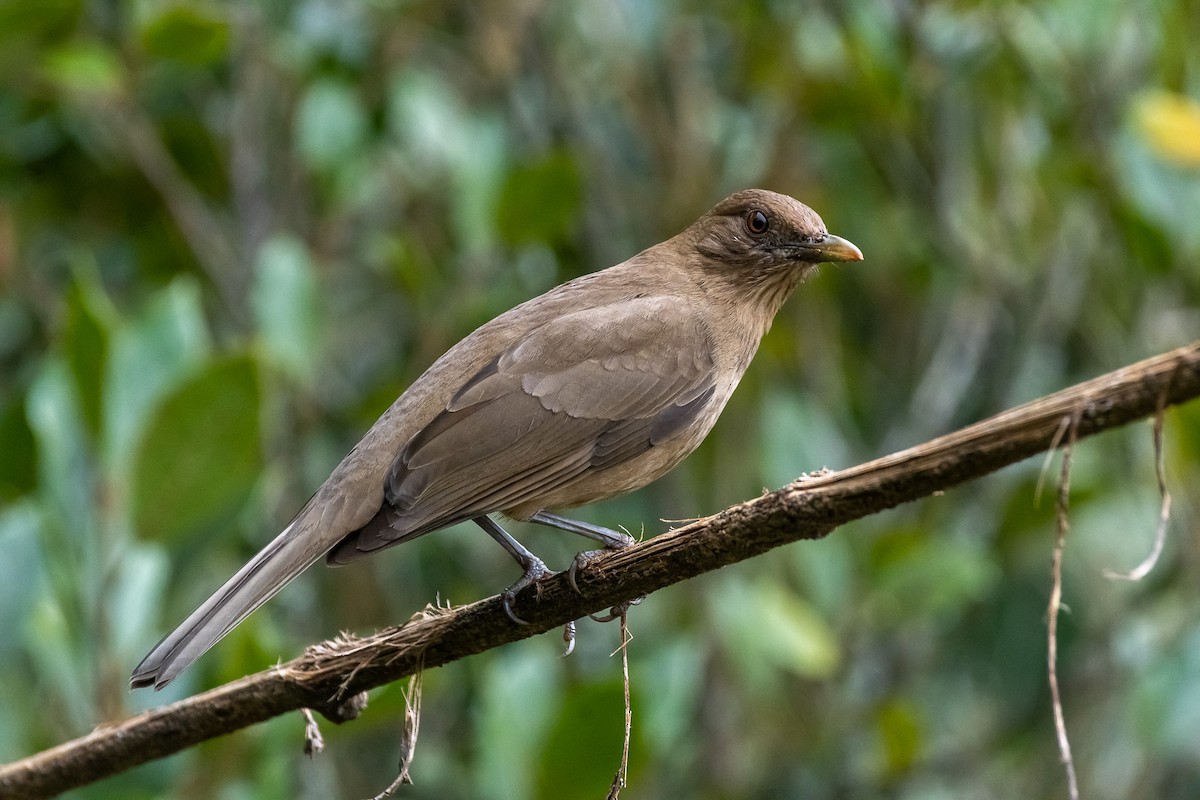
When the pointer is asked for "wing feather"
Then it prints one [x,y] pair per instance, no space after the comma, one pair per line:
[586,392]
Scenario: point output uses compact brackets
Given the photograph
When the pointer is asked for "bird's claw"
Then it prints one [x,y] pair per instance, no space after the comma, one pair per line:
[581,560]
[569,638]
[535,571]
[585,559]
[619,610]
[506,601]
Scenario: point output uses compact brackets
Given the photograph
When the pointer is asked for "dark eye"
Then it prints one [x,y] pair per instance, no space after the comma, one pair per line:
[757,222]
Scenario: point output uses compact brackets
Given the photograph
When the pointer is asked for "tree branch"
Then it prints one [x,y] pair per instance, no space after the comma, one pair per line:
[330,677]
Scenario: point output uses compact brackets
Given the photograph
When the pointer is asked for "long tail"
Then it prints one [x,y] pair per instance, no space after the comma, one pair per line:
[289,554]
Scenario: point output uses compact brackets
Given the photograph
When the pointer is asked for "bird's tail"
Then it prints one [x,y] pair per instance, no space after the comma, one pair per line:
[289,554]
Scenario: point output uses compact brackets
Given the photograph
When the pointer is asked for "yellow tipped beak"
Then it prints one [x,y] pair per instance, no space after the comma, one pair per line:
[831,248]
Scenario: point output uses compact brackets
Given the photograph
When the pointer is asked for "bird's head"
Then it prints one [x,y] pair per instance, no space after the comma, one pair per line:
[767,233]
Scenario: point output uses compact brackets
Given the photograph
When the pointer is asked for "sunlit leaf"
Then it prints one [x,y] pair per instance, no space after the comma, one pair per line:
[84,68]
[53,646]
[787,633]
[795,636]
[899,729]
[286,306]
[1170,124]
[148,357]
[426,115]
[200,453]
[135,596]
[330,123]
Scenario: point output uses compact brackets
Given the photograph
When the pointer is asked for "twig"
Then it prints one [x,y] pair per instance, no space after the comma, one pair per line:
[1060,541]
[1164,513]
[808,509]
[619,779]
[408,739]
[1049,459]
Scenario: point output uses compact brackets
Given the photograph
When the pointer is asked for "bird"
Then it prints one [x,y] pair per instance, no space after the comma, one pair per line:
[589,391]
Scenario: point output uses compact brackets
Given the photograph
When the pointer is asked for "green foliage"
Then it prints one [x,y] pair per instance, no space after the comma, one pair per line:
[192,34]
[85,339]
[787,637]
[330,125]
[18,468]
[286,307]
[83,68]
[229,237]
[210,419]
[539,201]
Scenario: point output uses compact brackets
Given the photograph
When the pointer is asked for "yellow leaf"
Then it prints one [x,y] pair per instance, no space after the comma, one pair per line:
[1170,124]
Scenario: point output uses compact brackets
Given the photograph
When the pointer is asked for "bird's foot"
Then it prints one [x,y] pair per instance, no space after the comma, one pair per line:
[569,638]
[619,610]
[588,557]
[535,571]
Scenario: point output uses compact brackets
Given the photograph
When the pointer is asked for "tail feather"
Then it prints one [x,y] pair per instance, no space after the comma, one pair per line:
[289,554]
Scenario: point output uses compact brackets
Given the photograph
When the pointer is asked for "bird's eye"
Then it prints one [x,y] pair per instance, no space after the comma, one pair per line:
[757,222]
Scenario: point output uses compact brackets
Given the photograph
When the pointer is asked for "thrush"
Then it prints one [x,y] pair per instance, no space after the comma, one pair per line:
[589,391]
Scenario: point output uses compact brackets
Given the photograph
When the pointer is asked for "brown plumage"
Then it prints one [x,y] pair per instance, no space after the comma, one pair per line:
[591,390]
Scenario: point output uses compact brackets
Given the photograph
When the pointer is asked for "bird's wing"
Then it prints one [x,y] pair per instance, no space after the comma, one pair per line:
[584,392]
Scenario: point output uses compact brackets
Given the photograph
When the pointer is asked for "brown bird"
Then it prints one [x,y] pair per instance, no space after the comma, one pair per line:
[592,390]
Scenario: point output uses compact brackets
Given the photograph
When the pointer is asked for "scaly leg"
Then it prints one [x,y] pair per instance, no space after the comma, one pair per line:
[535,569]
[612,540]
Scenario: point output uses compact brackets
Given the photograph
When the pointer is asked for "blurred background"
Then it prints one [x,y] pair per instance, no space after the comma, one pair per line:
[231,235]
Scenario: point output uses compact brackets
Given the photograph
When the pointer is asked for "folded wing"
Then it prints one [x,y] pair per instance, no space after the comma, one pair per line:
[582,394]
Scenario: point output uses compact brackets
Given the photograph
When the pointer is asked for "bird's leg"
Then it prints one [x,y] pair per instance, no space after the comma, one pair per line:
[535,569]
[612,540]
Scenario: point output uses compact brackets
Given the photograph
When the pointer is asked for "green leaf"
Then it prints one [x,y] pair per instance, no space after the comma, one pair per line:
[788,634]
[189,34]
[21,570]
[285,304]
[200,454]
[584,744]
[330,124]
[797,435]
[18,467]
[84,68]
[917,575]
[797,639]
[135,596]
[1170,124]
[64,470]
[147,359]
[898,725]
[86,338]
[519,699]
[539,202]
[668,705]
[38,21]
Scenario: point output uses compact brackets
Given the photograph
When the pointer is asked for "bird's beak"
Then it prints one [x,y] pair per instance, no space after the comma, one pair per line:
[829,248]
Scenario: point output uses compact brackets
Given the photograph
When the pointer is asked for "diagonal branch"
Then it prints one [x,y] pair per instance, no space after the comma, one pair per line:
[329,677]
